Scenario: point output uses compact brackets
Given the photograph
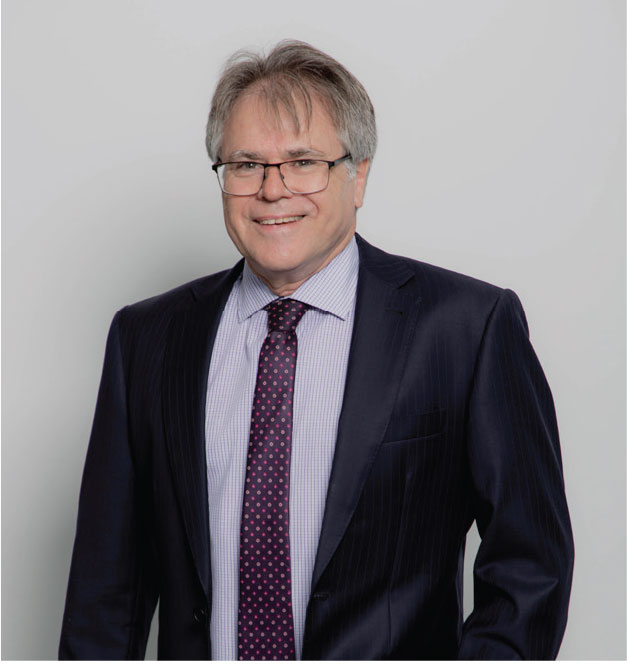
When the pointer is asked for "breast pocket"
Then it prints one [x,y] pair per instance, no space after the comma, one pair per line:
[416,426]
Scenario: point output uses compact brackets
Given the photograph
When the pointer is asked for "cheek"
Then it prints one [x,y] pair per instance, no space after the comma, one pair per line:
[338,208]
[233,213]
[342,196]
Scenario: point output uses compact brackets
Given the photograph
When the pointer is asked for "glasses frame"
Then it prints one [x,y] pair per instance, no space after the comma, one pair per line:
[331,164]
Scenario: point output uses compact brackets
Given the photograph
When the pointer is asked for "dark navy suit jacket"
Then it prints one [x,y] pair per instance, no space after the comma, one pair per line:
[447,418]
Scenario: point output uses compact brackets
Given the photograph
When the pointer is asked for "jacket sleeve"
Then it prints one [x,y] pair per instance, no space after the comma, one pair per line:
[523,570]
[111,592]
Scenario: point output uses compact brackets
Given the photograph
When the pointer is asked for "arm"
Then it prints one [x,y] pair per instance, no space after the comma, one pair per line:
[523,570]
[111,593]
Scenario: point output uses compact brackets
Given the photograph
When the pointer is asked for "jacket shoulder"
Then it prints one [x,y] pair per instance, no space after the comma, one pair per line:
[161,307]
[458,302]
[433,284]
[435,280]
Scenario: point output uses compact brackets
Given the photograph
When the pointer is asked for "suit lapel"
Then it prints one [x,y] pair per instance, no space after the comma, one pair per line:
[189,348]
[384,325]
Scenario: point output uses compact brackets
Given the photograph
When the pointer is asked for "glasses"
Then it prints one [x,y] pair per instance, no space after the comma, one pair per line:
[300,176]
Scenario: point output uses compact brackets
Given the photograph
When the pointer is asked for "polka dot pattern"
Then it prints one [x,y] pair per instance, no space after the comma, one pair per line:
[265,615]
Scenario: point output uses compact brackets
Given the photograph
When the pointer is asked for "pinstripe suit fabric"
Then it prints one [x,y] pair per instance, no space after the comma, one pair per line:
[451,420]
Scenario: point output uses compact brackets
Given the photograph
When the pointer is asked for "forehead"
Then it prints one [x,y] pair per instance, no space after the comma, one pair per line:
[258,127]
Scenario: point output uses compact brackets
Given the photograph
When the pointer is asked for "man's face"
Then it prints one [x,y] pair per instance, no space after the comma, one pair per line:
[285,255]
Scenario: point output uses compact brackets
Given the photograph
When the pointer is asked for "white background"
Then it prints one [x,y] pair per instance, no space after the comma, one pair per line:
[502,156]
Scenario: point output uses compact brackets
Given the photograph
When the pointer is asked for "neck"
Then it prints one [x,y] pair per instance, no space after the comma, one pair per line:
[281,287]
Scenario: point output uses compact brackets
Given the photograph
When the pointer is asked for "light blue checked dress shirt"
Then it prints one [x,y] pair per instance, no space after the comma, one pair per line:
[323,341]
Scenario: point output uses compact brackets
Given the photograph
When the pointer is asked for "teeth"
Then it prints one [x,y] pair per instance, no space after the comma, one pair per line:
[281,220]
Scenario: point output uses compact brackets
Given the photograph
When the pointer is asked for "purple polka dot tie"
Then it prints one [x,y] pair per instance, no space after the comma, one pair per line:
[265,608]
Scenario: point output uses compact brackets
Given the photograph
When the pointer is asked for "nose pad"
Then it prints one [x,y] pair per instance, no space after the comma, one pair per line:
[272,186]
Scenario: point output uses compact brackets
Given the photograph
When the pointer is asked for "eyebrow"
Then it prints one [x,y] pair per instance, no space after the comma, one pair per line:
[243,154]
[300,152]
[294,153]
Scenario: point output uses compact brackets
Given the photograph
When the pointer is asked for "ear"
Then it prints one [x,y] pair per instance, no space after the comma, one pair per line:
[360,182]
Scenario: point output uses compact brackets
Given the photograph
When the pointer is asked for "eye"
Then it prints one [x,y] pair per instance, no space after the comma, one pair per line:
[303,163]
[245,165]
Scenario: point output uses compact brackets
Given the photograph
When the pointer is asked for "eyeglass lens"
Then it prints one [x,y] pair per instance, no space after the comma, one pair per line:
[304,176]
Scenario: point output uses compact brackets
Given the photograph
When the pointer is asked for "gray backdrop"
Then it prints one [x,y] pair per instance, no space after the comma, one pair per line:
[502,155]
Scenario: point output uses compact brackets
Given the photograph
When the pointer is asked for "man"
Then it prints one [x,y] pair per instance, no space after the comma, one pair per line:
[289,454]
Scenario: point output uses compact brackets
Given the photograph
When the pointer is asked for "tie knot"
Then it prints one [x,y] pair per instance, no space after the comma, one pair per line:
[284,315]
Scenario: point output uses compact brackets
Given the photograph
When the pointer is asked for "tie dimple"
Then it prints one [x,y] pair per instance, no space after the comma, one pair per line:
[265,616]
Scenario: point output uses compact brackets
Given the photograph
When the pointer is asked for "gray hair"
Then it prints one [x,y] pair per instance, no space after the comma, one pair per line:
[293,71]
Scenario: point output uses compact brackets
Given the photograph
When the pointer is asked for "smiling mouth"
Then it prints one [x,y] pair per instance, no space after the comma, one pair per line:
[279,220]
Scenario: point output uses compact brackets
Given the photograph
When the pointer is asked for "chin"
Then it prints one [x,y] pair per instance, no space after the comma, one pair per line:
[279,260]
[277,268]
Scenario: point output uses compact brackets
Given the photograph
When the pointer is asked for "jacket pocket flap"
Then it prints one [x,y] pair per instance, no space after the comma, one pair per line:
[418,425]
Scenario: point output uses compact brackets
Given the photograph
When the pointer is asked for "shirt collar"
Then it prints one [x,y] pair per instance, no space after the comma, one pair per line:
[332,289]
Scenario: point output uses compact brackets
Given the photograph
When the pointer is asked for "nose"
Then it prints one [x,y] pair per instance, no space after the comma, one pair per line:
[273,186]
